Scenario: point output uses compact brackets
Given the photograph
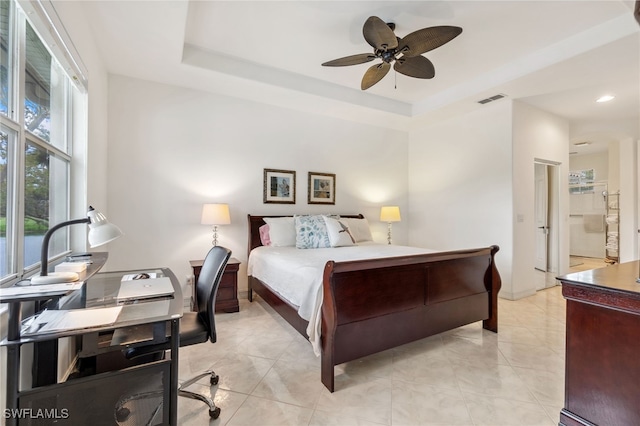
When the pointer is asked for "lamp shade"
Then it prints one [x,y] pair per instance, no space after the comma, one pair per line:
[101,231]
[390,214]
[215,214]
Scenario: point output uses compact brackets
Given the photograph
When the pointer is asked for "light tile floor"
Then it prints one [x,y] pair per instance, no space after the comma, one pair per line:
[547,279]
[585,263]
[468,376]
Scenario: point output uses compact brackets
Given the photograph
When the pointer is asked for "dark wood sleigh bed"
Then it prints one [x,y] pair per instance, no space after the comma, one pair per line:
[373,305]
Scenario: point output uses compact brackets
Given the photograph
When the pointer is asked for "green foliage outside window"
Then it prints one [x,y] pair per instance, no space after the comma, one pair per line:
[36,188]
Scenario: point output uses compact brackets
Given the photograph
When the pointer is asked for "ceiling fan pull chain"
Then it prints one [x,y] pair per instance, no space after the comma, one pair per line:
[395,77]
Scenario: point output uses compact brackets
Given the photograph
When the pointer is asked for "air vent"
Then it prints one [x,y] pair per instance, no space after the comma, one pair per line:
[492,98]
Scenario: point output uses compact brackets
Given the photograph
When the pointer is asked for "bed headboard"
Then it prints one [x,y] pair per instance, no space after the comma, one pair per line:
[255,222]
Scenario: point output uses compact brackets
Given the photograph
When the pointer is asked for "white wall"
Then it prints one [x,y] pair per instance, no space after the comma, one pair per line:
[537,135]
[173,149]
[613,173]
[460,184]
[629,215]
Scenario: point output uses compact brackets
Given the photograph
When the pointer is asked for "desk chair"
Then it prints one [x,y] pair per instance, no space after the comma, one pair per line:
[195,327]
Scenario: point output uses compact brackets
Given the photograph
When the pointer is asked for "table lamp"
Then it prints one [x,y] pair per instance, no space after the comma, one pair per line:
[215,214]
[100,232]
[389,214]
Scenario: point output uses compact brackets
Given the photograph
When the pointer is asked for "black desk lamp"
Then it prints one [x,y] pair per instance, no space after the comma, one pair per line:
[100,232]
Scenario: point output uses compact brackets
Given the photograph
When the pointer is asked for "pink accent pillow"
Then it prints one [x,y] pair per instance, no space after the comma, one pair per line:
[264,235]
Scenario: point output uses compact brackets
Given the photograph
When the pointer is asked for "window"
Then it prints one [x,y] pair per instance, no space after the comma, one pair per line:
[36,106]
[7,147]
[5,56]
[580,181]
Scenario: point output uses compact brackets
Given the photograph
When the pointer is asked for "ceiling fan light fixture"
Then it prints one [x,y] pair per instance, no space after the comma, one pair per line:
[605,98]
[404,53]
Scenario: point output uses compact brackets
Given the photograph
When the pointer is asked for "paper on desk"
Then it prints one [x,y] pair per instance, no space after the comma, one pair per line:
[53,320]
[37,289]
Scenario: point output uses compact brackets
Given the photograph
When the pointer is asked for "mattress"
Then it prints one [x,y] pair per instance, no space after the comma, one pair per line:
[296,274]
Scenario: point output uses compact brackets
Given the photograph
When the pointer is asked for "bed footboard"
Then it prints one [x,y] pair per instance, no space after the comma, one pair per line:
[374,305]
[284,309]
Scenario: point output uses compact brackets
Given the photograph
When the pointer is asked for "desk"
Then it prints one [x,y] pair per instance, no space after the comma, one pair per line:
[602,373]
[92,399]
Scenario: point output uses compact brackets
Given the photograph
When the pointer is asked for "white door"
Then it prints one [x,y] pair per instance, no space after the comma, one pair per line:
[541,215]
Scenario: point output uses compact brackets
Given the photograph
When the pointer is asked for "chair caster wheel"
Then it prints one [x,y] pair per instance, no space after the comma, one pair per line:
[122,414]
[215,413]
[214,380]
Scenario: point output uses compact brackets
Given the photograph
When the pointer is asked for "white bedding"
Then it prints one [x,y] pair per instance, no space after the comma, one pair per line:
[296,274]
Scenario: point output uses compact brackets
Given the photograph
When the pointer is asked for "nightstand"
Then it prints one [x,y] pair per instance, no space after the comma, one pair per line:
[227,297]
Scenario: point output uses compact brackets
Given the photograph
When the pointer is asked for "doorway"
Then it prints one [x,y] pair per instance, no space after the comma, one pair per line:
[587,224]
[546,219]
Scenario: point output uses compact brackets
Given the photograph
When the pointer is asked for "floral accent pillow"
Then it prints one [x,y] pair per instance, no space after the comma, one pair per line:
[311,232]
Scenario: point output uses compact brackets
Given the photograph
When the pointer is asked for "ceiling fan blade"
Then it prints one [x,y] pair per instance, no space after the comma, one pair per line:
[426,39]
[350,60]
[417,66]
[374,74]
[378,34]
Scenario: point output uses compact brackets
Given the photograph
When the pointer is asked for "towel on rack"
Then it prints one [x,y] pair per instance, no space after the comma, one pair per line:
[593,222]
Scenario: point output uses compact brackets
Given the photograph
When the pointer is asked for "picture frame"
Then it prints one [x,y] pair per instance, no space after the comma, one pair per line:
[279,186]
[322,188]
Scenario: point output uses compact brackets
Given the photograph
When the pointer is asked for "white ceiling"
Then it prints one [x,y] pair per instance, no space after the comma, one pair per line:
[557,55]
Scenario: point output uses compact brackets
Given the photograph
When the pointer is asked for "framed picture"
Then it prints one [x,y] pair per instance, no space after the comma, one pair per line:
[279,186]
[322,188]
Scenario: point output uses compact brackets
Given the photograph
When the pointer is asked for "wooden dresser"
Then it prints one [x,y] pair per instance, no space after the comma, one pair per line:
[602,370]
[227,297]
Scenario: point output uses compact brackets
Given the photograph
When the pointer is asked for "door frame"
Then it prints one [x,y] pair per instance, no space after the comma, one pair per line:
[553,208]
[541,216]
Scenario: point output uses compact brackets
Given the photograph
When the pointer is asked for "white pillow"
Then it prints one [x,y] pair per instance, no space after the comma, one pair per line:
[359,228]
[339,235]
[282,231]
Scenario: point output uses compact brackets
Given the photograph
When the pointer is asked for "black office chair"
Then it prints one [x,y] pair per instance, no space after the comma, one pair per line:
[195,327]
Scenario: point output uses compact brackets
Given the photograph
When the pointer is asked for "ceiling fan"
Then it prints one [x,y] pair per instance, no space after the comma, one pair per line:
[406,52]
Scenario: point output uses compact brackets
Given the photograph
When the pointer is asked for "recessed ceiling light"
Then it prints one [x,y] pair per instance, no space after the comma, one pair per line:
[582,143]
[605,98]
